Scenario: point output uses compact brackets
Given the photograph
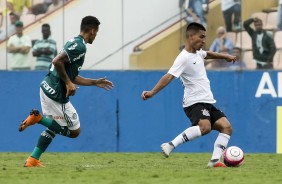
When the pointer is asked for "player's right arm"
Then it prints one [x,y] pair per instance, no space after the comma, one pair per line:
[59,63]
[216,55]
[163,82]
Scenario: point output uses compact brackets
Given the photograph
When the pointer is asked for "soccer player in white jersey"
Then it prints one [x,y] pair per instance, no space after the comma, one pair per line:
[198,98]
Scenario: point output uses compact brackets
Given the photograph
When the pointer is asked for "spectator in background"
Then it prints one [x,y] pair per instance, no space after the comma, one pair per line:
[231,8]
[45,50]
[240,64]
[41,8]
[19,46]
[11,29]
[221,44]
[17,6]
[263,44]
[55,4]
[196,11]
[279,18]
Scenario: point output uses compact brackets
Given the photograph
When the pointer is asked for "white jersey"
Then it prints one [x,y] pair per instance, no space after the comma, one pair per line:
[190,67]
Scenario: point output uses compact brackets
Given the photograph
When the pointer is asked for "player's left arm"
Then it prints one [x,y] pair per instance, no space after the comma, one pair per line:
[101,82]
[216,55]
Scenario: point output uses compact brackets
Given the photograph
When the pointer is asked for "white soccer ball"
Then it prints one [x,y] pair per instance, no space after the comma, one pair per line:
[233,156]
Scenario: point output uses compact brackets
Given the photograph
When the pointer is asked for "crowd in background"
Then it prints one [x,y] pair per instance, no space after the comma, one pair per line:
[20,45]
[263,44]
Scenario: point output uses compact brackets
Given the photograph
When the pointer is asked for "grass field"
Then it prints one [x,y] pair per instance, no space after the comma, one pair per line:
[141,168]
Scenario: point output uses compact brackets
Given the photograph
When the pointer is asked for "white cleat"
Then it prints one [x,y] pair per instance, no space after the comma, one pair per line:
[167,149]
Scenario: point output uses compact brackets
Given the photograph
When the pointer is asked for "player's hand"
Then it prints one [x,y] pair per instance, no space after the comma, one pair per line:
[71,89]
[146,95]
[104,83]
[231,58]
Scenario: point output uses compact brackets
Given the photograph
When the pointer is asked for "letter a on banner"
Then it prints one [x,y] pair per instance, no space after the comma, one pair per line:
[266,86]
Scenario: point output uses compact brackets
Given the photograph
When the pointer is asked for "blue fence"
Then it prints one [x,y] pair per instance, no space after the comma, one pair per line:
[119,120]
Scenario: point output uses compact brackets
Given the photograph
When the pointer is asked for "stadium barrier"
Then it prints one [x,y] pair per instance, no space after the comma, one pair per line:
[119,121]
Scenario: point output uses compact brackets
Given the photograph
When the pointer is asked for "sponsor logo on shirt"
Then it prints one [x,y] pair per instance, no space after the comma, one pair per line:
[57,117]
[79,56]
[46,86]
[73,46]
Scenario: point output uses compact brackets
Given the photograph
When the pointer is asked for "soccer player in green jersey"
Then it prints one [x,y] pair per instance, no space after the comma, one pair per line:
[59,116]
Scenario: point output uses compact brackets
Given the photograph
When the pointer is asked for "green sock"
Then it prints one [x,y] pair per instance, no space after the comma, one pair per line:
[44,141]
[54,126]
[36,153]
[46,122]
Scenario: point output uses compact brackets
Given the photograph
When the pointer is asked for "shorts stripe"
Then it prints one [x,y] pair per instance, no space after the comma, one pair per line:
[67,118]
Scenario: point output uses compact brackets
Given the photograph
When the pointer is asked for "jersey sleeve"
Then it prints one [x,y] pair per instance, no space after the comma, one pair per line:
[74,51]
[178,66]
[203,53]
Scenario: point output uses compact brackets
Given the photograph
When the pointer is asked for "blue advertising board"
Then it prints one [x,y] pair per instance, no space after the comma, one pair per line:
[119,120]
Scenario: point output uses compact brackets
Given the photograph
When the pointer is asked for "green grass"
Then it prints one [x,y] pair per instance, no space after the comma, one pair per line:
[141,168]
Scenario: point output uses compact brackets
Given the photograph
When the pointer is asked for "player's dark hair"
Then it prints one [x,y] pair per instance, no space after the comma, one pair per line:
[89,22]
[194,27]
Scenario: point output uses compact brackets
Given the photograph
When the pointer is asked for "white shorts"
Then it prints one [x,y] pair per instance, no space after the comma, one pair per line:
[63,114]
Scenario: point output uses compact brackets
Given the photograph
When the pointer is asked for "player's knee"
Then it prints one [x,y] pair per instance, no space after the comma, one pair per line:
[223,126]
[205,129]
[74,133]
[227,129]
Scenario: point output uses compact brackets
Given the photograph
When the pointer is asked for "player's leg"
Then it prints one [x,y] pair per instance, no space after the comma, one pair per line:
[200,118]
[223,126]
[44,141]
[60,119]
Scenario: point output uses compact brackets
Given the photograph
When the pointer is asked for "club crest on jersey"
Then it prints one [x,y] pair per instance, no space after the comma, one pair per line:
[74,116]
[205,112]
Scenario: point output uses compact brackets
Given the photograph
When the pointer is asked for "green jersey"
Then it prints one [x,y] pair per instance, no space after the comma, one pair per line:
[52,85]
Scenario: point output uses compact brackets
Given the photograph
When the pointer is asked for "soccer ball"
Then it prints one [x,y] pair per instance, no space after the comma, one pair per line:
[233,156]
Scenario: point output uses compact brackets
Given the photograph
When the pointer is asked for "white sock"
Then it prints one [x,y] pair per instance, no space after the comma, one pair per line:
[188,135]
[220,145]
